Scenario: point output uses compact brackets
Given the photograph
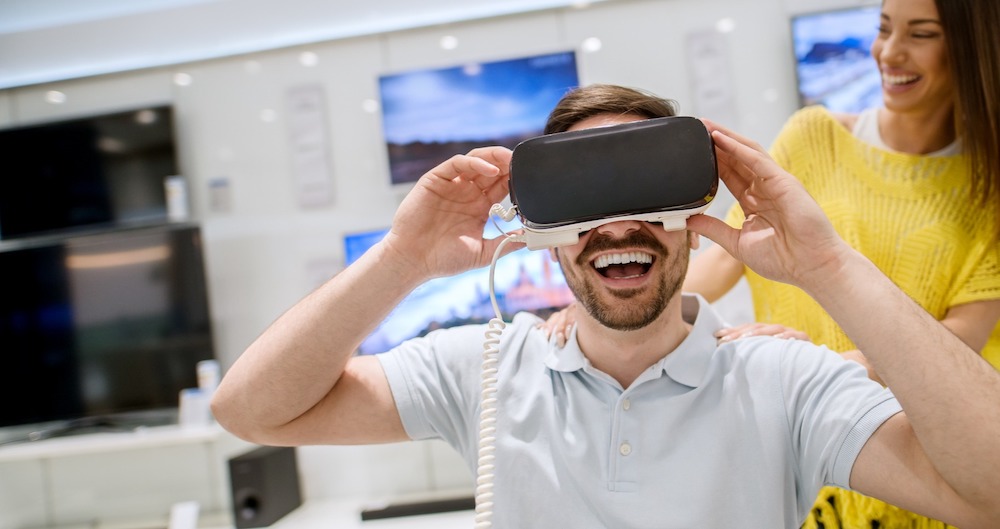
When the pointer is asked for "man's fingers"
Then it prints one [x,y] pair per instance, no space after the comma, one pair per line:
[716,230]
[463,164]
[713,126]
[757,163]
[487,162]
[498,156]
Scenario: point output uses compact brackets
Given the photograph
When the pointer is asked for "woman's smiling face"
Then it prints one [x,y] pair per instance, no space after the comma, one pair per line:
[911,53]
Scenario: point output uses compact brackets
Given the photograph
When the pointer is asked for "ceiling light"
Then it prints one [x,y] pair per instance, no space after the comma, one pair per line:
[55,97]
[183,79]
[308,59]
[725,25]
[591,45]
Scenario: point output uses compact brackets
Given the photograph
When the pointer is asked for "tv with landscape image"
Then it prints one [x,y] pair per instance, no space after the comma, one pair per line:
[524,280]
[833,60]
[431,114]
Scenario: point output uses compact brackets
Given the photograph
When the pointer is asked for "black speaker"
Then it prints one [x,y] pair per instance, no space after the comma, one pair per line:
[265,485]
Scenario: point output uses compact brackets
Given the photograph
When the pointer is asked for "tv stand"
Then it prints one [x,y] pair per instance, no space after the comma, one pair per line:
[78,427]
[118,423]
[128,474]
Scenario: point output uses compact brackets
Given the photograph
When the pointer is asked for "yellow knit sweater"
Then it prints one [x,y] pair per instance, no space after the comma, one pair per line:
[912,216]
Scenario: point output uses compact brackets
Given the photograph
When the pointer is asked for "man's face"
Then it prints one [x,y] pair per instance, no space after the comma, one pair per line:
[624,273]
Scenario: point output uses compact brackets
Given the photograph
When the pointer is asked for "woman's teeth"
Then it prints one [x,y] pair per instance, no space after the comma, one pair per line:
[898,79]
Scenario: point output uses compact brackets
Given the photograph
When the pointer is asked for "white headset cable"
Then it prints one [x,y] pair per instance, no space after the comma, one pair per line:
[488,405]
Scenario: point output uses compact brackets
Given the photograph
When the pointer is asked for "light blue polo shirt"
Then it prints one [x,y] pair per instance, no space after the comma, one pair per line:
[742,434]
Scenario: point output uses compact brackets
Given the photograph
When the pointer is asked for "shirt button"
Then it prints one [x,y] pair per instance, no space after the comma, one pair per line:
[625,449]
[626,404]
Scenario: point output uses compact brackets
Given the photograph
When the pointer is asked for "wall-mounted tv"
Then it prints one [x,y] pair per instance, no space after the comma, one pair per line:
[833,61]
[524,280]
[86,172]
[101,328]
[431,114]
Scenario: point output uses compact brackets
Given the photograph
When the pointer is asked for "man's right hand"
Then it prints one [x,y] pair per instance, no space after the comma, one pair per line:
[438,228]
[786,237]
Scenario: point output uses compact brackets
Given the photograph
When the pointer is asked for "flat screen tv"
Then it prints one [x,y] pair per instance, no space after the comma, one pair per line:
[101,328]
[524,280]
[431,114]
[86,172]
[833,61]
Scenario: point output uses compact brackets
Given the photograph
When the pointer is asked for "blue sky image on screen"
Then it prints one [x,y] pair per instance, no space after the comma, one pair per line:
[524,280]
[429,115]
[833,59]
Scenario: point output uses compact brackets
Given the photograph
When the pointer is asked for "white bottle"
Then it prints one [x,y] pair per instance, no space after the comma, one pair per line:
[177,201]
[208,375]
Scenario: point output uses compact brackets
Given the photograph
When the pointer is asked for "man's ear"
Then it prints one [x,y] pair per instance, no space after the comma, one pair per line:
[694,240]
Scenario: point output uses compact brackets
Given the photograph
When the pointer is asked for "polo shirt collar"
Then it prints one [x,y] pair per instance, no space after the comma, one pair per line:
[686,364]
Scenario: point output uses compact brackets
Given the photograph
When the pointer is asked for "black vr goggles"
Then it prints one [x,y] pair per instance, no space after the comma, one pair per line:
[656,170]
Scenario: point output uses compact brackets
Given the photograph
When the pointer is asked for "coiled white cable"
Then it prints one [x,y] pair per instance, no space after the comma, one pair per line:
[488,405]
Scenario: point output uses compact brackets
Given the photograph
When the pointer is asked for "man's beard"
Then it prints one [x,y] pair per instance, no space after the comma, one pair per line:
[626,313]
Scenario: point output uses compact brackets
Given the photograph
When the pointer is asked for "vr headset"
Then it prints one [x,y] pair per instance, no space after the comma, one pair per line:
[656,170]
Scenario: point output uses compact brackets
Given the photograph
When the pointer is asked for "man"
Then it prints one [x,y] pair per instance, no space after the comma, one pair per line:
[642,420]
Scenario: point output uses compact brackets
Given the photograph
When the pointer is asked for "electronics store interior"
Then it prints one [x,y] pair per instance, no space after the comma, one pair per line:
[178,173]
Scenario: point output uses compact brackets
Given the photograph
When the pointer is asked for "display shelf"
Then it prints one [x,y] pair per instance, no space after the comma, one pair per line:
[101,442]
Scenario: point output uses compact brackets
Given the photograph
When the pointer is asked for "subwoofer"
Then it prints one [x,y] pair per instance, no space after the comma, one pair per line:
[265,486]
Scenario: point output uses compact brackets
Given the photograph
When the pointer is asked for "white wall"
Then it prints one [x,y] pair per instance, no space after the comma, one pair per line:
[265,251]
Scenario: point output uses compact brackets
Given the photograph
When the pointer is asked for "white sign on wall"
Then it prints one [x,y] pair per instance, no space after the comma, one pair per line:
[309,145]
[711,77]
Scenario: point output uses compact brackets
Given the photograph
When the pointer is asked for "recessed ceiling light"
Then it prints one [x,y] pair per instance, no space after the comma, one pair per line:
[308,59]
[183,79]
[591,45]
[725,25]
[55,97]
[449,42]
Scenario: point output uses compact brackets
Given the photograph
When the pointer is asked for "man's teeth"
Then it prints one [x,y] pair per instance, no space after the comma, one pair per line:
[898,79]
[607,260]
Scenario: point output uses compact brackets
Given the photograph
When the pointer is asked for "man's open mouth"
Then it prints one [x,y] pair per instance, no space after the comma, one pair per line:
[623,265]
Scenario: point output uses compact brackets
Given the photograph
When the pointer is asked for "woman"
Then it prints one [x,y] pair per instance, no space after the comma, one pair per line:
[915,186]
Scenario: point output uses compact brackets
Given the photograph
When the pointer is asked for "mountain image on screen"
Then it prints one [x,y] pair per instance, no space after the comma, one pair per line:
[431,114]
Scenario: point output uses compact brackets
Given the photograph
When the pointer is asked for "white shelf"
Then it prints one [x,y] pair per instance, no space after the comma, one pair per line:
[94,443]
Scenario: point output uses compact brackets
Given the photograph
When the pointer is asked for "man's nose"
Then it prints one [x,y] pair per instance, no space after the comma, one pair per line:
[619,228]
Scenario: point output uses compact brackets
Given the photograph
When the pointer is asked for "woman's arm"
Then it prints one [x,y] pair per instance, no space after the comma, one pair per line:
[712,273]
[973,322]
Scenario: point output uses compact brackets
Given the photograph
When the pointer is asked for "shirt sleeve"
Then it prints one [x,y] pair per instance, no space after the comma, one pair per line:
[833,408]
[435,384]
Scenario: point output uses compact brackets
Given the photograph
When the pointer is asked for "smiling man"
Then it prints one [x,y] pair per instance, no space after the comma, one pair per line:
[642,419]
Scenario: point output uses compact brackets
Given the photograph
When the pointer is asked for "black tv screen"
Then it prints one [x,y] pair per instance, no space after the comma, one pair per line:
[431,114]
[86,172]
[106,326]
[833,61]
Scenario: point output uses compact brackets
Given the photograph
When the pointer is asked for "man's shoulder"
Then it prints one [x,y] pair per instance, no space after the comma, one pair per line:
[768,352]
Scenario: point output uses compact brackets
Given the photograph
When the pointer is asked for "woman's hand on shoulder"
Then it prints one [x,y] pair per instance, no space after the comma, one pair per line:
[759,329]
[560,324]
